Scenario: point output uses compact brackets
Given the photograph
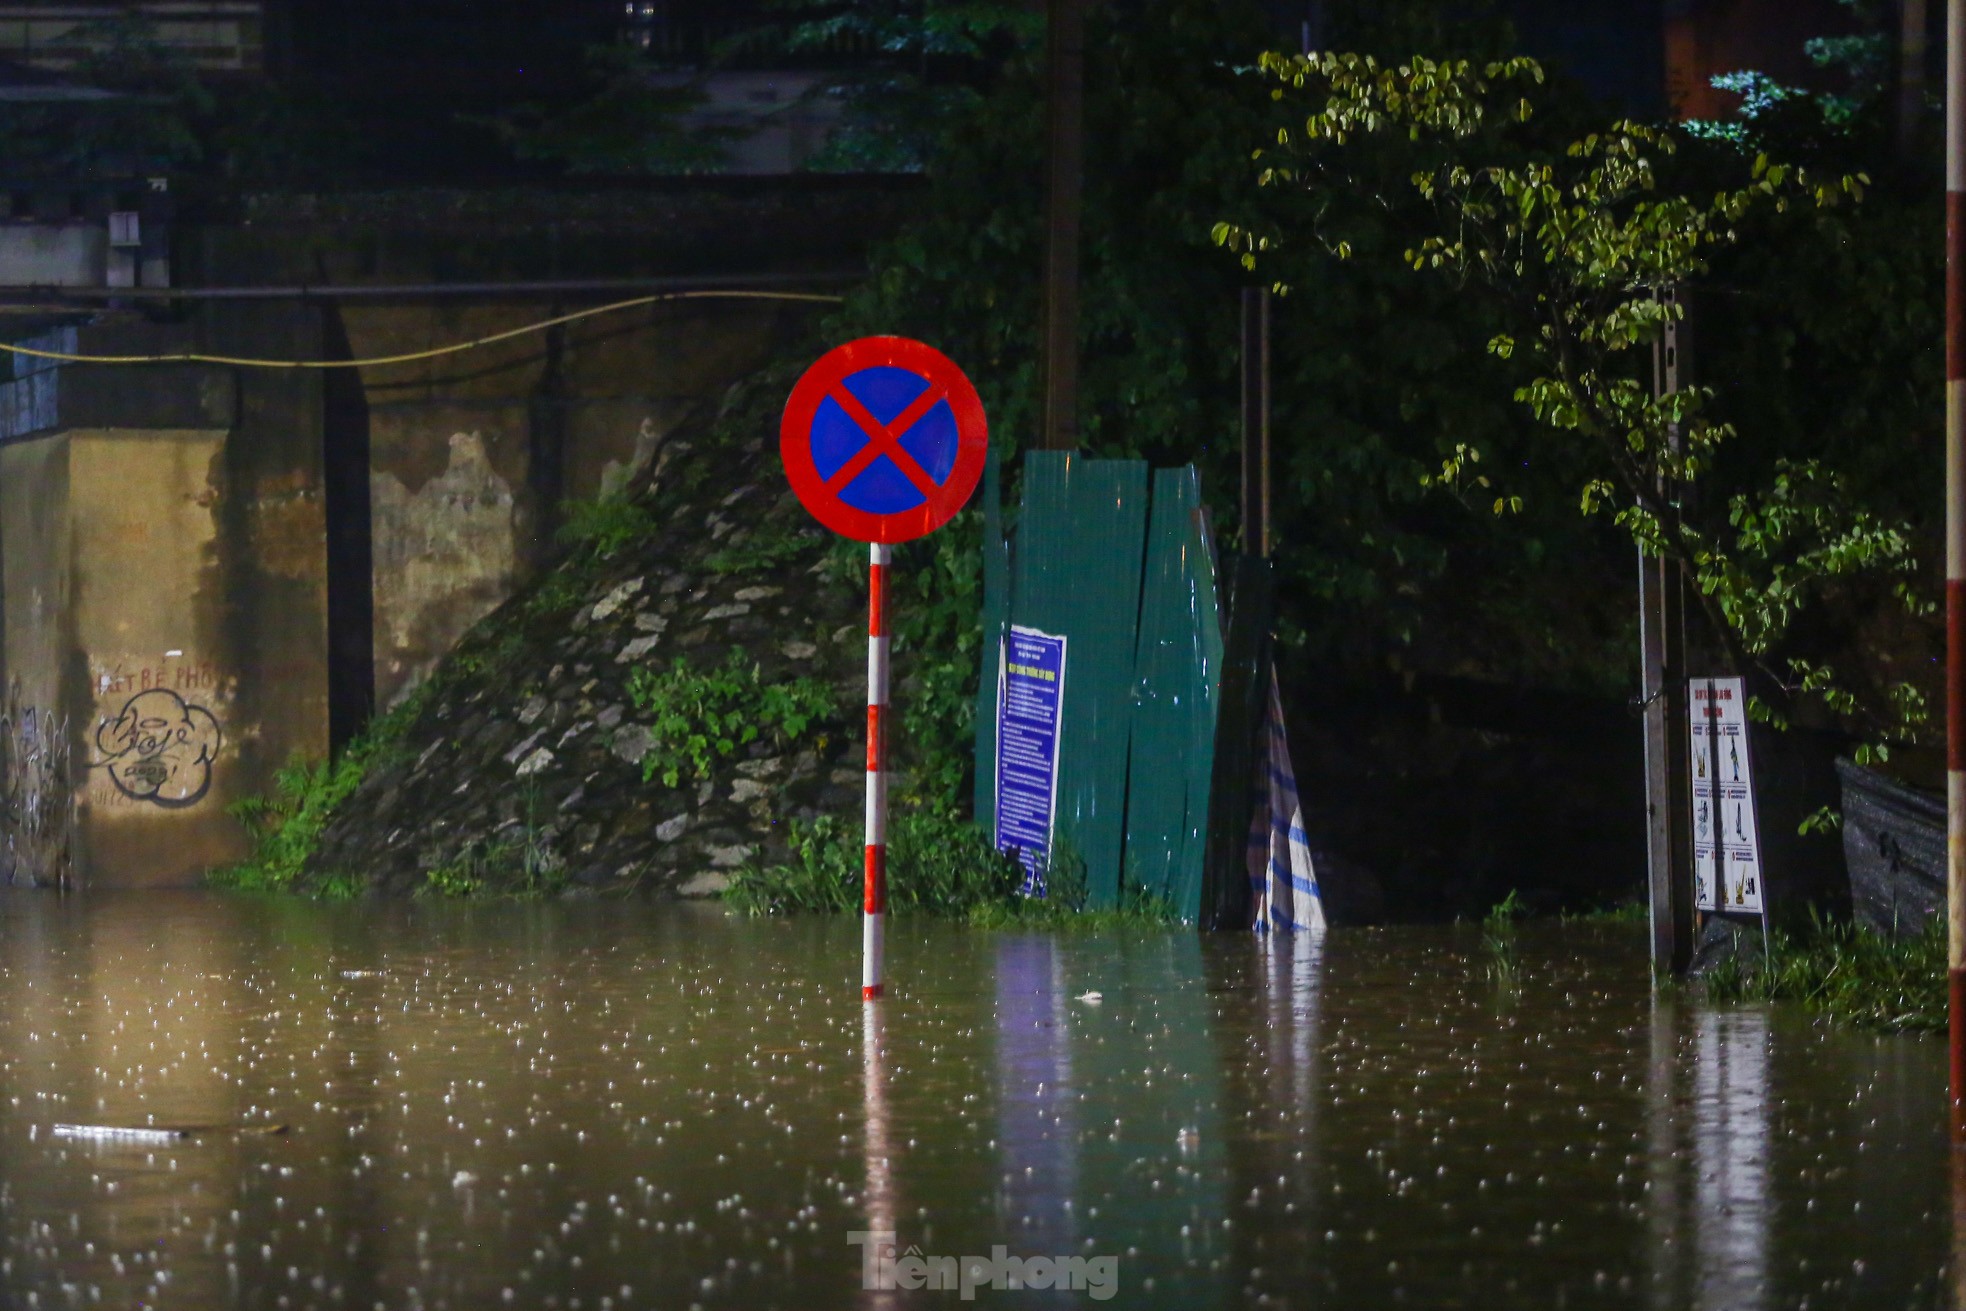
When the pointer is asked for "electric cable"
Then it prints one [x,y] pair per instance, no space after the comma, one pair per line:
[194,357]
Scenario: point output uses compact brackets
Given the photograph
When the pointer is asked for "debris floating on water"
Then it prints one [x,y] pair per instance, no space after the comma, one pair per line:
[124,1133]
[120,1133]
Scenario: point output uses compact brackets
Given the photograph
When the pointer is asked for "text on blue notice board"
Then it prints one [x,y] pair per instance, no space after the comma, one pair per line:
[1030,698]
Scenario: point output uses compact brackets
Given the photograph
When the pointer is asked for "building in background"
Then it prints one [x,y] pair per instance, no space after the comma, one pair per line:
[214,36]
[1650,57]
[1705,39]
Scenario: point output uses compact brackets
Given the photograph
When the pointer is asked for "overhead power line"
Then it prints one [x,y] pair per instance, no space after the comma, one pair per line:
[408,357]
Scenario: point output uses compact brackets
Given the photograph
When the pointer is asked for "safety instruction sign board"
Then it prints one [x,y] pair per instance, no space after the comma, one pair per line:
[1030,699]
[1727,874]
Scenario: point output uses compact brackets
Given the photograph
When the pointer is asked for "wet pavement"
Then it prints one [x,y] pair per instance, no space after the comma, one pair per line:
[618,1105]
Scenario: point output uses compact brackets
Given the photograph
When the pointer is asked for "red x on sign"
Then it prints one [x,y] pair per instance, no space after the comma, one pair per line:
[883,439]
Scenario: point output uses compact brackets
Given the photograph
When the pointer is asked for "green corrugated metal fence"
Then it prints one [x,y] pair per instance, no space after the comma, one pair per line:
[1176,672]
[996,618]
[1127,578]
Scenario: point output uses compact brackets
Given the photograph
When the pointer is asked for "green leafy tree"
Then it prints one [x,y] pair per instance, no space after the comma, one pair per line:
[1577,246]
[904,73]
[635,118]
[1377,375]
[142,118]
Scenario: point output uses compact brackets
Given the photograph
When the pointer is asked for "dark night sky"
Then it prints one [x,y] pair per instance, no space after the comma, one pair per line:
[472,51]
[406,72]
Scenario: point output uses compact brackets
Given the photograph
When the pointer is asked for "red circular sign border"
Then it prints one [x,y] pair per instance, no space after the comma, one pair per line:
[795,439]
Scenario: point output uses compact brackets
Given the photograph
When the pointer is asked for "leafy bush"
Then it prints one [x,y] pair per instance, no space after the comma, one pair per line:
[1498,938]
[522,866]
[769,547]
[1573,244]
[702,717]
[286,826]
[935,866]
[604,526]
[1847,972]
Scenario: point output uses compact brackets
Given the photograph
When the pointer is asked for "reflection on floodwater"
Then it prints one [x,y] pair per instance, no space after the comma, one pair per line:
[1708,1172]
[642,1106]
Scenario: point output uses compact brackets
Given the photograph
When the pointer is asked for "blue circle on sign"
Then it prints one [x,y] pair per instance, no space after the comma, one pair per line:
[887,393]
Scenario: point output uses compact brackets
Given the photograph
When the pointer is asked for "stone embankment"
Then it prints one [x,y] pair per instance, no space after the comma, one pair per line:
[522,763]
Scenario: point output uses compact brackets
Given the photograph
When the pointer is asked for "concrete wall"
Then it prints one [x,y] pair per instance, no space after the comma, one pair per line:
[114,557]
[162,570]
[469,456]
[161,733]
[54,254]
[38,622]
[211,570]
[472,455]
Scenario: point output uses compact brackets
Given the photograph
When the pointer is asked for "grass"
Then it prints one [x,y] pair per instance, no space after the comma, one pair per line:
[286,826]
[1848,973]
[1629,912]
[1498,938]
[767,549]
[521,868]
[937,867]
[602,527]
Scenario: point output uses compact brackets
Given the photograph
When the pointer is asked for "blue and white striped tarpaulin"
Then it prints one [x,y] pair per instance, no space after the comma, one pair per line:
[1283,886]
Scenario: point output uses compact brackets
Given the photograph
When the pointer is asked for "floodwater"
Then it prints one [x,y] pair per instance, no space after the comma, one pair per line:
[612,1106]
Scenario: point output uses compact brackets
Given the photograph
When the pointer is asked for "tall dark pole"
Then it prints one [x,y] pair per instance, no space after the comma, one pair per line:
[1244,698]
[1956,550]
[1065,47]
[1662,672]
[1911,75]
[1256,421]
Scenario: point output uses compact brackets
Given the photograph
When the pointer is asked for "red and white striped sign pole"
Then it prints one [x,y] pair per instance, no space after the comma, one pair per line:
[1956,551]
[874,922]
[883,441]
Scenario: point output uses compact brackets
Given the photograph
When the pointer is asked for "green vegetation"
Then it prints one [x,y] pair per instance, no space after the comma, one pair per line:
[701,717]
[630,120]
[772,544]
[286,826]
[1846,972]
[927,70]
[935,866]
[459,880]
[161,116]
[520,867]
[1498,938]
[1579,243]
[1626,912]
[1386,371]
[596,529]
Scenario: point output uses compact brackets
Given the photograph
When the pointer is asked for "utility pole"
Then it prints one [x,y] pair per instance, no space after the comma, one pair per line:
[1256,422]
[1911,76]
[1662,673]
[1244,697]
[1065,49]
[1956,553]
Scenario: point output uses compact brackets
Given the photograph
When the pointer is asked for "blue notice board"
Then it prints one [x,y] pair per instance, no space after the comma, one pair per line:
[1030,695]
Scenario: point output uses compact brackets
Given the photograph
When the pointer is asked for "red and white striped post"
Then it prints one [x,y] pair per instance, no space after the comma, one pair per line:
[874,922]
[942,423]
[1956,551]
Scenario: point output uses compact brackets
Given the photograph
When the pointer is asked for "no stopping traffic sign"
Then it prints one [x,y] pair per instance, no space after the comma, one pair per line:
[883,439]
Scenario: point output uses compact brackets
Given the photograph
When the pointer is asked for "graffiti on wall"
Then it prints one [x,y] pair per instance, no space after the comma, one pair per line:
[160,749]
[157,732]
